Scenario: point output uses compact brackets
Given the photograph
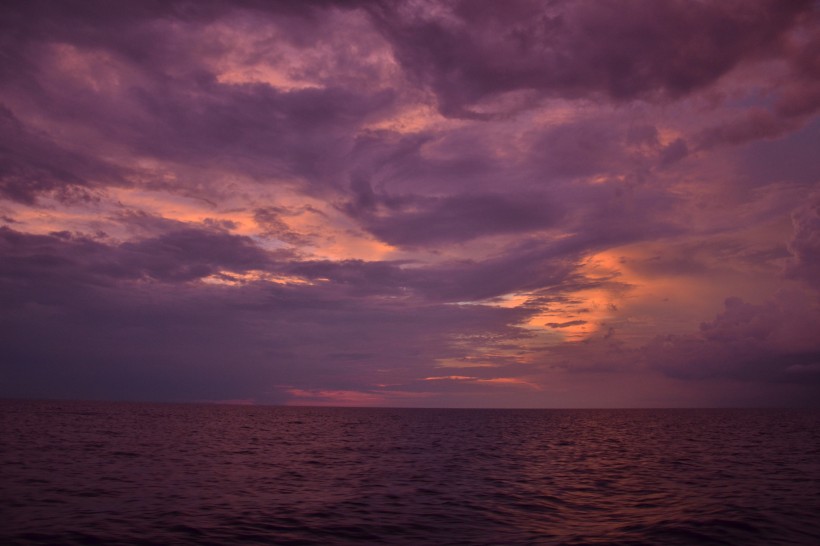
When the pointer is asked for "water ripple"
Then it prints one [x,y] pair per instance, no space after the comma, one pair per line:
[99,473]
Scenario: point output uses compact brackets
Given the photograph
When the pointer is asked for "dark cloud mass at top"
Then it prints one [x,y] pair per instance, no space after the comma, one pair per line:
[436,203]
[617,48]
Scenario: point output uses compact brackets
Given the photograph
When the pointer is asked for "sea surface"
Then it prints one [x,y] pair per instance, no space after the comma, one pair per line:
[118,473]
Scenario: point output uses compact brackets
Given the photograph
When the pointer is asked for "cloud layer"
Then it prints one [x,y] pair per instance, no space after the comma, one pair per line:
[419,203]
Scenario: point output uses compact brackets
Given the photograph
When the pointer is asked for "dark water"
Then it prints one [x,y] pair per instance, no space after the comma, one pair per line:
[102,473]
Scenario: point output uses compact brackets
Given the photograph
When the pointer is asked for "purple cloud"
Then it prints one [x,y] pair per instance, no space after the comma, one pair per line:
[774,341]
[417,220]
[435,203]
[468,52]
[805,244]
[176,256]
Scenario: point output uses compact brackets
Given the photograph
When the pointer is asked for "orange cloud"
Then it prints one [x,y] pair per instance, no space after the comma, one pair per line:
[330,397]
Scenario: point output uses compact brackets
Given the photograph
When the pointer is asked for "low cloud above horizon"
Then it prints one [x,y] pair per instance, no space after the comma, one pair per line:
[423,203]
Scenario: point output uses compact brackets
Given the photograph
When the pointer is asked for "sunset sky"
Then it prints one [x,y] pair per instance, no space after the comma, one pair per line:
[608,203]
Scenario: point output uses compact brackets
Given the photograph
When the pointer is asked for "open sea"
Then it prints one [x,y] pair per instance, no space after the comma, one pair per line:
[119,473]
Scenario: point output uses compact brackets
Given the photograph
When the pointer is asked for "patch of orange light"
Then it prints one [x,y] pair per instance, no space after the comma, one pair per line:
[667,135]
[329,397]
[230,278]
[411,120]
[303,397]
[606,179]
[491,381]
[556,112]
[581,313]
[580,318]
[183,209]
[510,301]
[510,381]
[264,74]
[253,53]
[668,298]
[339,240]
[464,362]
[352,246]
[46,220]
[94,69]
[584,313]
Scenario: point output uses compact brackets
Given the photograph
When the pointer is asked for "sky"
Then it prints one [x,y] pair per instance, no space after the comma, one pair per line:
[609,203]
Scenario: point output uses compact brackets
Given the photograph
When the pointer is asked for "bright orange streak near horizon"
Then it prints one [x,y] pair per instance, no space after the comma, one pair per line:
[331,397]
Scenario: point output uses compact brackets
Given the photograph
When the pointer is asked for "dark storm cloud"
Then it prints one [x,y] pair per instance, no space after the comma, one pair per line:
[524,267]
[791,158]
[253,127]
[773,341]
[754,124]
[414,220]
[175,256]
[801,95]
[580,149]
[190,254]
[271,221]
[96,22]
[76,321]
[567,324]
[796,98]
[31,164]
[390,170]
[527,267]
[129,76]
[299,131]
[545,184]
[674,152]
[144,224]
[468,51]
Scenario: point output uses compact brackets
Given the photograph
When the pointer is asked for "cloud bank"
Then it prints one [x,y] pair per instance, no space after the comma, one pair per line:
[427,203]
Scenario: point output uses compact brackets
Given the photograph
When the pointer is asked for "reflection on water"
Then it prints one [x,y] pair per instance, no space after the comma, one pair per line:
[104,473]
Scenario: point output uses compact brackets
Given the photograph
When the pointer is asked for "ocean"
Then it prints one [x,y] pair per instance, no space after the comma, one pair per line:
[121,473]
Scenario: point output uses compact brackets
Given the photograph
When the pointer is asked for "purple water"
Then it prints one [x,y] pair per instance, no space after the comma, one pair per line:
[115,473]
